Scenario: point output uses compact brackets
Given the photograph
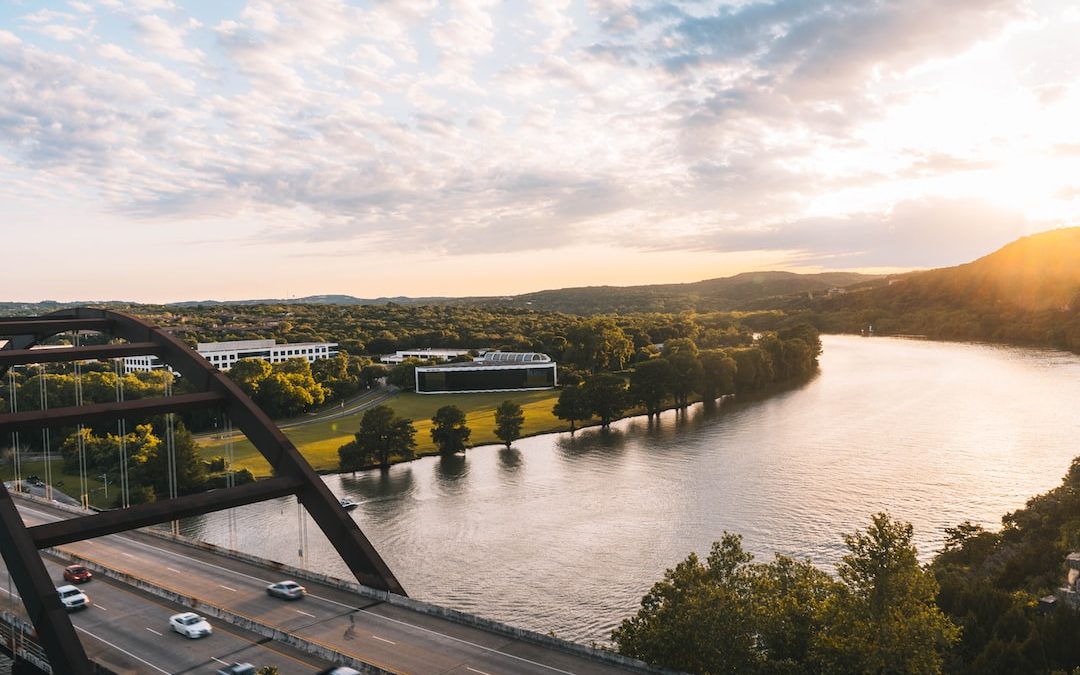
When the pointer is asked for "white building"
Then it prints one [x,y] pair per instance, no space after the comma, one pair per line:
[225,354]
[425,354]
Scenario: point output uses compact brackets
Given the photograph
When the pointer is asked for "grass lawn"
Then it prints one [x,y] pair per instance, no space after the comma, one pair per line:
[319,442]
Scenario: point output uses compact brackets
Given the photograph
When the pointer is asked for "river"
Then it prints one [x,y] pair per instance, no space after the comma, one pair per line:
[565,533]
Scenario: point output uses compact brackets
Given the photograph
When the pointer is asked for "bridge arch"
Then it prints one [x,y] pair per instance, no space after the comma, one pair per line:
[19,544]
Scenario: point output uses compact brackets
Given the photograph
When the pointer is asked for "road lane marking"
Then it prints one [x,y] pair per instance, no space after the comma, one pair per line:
[466,642]
[224,663]
[154,632]
[173,569]
[390,642]
[476,671]
[125,553]
[130,540]
[122,650]
[300,611]
[226,588]
[99,607]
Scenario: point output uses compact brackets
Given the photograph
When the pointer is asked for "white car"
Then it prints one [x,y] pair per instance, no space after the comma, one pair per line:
[72,598]
[190,624]
[289,590]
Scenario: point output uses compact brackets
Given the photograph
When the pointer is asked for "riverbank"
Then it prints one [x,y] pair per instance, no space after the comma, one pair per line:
[318,442]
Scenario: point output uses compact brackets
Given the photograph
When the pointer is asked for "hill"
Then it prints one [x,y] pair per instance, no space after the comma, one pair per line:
[721,294]
[1027,292]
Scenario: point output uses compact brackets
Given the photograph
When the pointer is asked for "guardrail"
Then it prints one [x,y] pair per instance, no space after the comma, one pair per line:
[453,615]
[18,640]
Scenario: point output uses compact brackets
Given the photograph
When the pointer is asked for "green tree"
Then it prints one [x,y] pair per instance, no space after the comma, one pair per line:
[508,421]
[403,375]
[598,344]
[687,376]
[572,405]
[448,430]
[699,618]
[717,374]
[651,383]
[884,619]
[190,470]
[382,434]
[248,374]
[607,396]
[371,373]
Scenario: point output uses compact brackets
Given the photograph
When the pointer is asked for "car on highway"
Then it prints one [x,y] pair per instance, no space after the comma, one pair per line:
[72,598]
[190,624]
[340,670]
[77,574]
[288,590]
[237,669]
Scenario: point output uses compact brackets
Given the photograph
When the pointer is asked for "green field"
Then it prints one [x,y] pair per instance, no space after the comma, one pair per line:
[320,441]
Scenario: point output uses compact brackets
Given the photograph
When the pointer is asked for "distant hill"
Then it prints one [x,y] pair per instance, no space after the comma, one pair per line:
[710,295]
[722,294]
[1026,292]
[318,300]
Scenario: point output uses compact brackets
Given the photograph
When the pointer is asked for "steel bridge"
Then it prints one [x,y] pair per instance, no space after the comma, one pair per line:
[130,336]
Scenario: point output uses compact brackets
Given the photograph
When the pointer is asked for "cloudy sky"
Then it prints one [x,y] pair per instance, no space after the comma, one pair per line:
[159,150]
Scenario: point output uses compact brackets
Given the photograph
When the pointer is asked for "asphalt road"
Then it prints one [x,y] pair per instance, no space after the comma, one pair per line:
[391,637]
[129,633]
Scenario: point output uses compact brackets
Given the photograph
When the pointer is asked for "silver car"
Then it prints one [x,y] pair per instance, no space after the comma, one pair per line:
[289,590]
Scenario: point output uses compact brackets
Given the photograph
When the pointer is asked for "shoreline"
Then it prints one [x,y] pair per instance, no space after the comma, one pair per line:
[761,394]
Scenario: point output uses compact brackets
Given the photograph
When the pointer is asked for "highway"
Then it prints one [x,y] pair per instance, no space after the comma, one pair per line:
[128,632]
[391,637]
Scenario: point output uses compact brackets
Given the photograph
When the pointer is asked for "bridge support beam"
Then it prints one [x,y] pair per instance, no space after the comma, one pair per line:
[294,475]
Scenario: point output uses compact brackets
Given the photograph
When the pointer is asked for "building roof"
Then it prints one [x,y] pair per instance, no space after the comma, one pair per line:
[516,360]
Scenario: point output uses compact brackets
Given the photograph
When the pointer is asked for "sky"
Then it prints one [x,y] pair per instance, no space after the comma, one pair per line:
[158,150]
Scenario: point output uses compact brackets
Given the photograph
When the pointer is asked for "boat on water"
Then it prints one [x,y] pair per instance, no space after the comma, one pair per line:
[348,504]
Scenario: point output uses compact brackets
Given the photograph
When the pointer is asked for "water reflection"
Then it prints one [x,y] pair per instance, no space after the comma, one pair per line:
[587,441]
[377,485]
[451,471]
[510,460]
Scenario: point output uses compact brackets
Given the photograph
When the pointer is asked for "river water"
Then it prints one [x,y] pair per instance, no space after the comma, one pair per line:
[565,533]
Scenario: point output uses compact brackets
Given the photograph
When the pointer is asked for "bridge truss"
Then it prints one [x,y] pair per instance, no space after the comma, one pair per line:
[20,545]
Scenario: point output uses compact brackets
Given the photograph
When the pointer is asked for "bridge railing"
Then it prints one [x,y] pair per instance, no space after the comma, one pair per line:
[19,641]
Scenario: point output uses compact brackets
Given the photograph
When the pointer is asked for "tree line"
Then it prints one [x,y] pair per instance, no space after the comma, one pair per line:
[384,436]
[678,371]
[975,608]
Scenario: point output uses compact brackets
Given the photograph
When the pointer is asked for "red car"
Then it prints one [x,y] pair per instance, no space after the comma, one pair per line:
[77,574]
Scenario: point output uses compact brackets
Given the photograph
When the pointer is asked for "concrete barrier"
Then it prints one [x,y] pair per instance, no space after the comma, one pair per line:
[453,615]
[305,645]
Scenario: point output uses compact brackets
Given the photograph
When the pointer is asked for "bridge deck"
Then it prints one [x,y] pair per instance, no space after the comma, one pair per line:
[383,634]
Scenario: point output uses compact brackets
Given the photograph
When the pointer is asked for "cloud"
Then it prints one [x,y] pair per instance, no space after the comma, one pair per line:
[931,232]
[451,127]
[166,38]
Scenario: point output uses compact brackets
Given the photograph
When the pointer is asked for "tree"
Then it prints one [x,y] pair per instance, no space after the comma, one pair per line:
[884,619]
[508,421]
[687,375]
[448,430]
[403,375]
[699,618]
[717,374]
[190,470]
[651,383]
[607,396]
[572,406]
[598,344]
[382,434]
[371,373]
[248,374]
